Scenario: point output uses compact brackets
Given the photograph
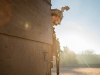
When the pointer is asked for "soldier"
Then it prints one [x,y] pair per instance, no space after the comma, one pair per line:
[57,16]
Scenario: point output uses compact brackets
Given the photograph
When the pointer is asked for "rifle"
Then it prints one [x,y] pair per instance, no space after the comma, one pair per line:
[57,56]
[56,51]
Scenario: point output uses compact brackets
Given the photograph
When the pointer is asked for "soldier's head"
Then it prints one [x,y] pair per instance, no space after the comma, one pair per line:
[57,15]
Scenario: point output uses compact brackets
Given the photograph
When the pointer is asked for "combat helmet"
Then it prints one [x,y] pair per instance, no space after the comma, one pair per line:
[59,13]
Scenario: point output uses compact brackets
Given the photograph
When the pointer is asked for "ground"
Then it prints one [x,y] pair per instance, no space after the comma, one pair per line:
[77,71]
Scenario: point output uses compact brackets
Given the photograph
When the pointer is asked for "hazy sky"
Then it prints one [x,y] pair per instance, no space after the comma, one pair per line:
[80,27]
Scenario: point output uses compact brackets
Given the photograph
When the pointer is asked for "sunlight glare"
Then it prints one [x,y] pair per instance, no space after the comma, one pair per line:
[76,43]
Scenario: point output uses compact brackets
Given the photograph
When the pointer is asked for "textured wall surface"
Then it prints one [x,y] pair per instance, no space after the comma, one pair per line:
[23,57]
[25,41]
[30,19]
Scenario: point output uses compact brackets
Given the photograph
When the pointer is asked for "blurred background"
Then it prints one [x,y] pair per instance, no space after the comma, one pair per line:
[79,32]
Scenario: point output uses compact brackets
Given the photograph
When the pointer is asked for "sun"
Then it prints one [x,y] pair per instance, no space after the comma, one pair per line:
[76,43]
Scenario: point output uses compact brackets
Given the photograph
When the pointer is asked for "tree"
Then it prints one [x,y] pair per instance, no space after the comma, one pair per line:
[88,52]
[68,57]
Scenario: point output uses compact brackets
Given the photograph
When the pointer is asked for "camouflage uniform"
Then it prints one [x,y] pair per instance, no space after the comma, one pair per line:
[56,45]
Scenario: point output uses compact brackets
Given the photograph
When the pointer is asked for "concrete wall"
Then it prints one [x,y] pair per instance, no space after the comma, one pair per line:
[23,57]
[25,41]
[31,19]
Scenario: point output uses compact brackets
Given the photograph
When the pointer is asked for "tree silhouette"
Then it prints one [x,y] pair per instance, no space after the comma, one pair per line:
[68,57]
